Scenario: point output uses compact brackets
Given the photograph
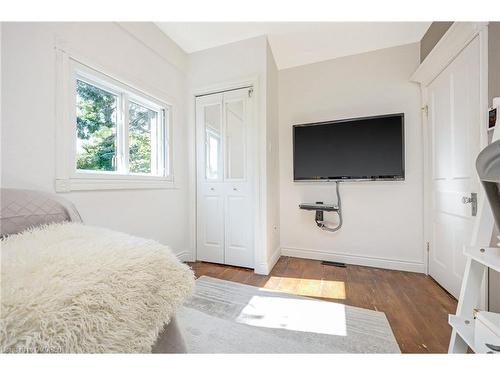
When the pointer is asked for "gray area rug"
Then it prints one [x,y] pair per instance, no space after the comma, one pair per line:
[228,317]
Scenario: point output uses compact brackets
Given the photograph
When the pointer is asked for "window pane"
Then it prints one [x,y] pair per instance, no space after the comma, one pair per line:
[142,131]
[96,121]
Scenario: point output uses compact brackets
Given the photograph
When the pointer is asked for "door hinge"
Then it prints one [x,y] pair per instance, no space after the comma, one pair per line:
[425,110]
[250,92]
[428,246]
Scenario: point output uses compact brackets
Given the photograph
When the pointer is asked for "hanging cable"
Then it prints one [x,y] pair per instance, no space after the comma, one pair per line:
[321,223]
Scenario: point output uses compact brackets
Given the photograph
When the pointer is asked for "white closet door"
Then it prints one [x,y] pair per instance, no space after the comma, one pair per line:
[210,190]
[455,123]
[237,175]
[224,199]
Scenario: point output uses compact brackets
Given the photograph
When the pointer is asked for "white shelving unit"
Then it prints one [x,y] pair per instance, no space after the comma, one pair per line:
[468,330]
[490,256]
[465,328]
[465,323]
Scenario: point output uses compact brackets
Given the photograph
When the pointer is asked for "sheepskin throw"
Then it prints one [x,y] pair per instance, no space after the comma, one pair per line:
[73,288]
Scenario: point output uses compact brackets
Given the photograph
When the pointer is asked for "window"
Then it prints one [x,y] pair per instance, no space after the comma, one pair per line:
[118,130]
[110,135]
[96,127]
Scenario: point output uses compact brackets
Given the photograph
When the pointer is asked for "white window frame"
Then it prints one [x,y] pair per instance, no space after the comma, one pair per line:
[68,177]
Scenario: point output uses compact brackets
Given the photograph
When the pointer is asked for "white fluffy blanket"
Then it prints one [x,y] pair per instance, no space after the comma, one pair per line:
[74,288]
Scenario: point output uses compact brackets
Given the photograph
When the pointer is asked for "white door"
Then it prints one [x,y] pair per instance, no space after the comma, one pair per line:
[454,118]
[224,174]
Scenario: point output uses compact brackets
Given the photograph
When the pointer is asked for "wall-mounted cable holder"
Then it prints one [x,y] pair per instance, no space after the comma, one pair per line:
[321,207]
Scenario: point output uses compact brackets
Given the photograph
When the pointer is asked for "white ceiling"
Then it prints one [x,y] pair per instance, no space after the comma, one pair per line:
[298,43]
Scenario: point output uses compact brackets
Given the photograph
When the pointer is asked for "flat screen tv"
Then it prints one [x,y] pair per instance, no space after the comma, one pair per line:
[366,148]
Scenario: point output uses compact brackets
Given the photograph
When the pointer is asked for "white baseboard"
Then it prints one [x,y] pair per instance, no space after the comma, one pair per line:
[266,268]
[185,256]
[354,259]
[273,259]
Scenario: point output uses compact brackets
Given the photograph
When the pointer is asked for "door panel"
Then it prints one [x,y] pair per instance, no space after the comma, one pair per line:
[212,123]
[439,113]
[446,203]
[461,157]
[211,230]
[442,239]
[461,237]
[210,195]
[238,223]
[224,192]
[235,139]
[454,120]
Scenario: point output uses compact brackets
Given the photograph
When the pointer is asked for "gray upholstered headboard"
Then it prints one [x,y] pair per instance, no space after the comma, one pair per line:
[22,209]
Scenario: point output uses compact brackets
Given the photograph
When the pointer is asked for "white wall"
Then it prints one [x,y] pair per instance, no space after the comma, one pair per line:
[382,220]
[228,63]
[28,118]
[272,162]
[231,64]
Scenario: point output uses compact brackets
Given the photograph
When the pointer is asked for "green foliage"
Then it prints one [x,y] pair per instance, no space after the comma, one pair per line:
[98,155]
[96,108]
[140,138]
[96,125]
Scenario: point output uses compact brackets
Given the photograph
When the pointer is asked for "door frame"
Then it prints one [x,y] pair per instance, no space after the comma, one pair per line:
[458,36]
[257,134]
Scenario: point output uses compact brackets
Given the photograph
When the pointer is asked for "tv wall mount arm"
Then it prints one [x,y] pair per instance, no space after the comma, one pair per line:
[321,207]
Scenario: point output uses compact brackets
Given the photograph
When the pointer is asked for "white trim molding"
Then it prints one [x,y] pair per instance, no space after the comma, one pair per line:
[273,259]
[69,66]
[64,185]
[449,46]
[266,267]
[185,256]
[358,260]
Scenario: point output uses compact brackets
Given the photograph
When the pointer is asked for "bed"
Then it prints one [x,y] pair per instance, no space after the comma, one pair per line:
[69,287]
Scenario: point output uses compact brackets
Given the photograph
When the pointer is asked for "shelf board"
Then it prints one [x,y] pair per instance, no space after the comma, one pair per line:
[491,129]
[489,257]
[490,320]
[466,331]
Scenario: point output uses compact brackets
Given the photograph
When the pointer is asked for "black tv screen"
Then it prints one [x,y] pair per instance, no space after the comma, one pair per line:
[368,148]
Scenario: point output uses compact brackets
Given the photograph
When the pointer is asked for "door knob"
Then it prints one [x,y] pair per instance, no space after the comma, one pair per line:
[473,201]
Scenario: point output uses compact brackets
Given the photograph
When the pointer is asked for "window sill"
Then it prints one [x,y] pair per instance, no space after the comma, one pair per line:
[112,183]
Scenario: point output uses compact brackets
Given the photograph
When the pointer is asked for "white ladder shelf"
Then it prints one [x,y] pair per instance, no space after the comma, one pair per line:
[480,257]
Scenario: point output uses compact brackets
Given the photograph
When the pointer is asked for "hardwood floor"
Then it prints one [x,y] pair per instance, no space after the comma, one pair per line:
[415,305]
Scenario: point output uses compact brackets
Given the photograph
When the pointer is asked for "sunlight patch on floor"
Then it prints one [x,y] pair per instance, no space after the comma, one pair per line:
[295,314]
[308,287]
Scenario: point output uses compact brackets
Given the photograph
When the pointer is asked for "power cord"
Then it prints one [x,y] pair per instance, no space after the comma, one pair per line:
[321,223]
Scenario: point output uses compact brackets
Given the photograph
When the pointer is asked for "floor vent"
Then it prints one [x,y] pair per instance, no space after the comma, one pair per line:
[334,264]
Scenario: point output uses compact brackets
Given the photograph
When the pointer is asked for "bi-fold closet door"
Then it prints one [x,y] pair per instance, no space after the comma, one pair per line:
[225,232]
